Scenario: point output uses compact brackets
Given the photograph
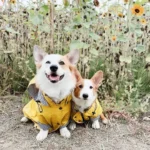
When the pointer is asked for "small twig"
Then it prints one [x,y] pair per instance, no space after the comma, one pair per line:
[128,118]
[9,97]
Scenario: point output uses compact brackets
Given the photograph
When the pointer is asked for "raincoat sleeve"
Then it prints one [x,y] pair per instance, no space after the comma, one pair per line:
[33,89]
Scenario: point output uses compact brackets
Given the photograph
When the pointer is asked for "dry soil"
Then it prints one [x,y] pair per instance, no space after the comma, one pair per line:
[17,136]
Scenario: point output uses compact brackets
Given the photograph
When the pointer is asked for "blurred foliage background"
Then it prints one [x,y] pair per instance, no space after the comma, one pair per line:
[113,37]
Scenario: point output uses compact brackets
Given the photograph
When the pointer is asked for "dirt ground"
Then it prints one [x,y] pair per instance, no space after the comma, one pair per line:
[17,136]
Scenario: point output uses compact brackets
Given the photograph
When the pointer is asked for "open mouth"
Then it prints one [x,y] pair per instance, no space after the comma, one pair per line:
[54,77]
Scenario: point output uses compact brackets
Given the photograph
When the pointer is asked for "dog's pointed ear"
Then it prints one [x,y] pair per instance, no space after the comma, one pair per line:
[73,56]
[76,73]
[97,78]
[38,55]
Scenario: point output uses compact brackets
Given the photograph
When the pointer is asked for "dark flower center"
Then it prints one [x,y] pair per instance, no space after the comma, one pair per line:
[137,10]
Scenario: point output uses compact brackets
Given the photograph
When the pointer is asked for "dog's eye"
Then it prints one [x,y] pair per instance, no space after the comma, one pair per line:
[91,87]
[48,62]
[61,63]
[80,86]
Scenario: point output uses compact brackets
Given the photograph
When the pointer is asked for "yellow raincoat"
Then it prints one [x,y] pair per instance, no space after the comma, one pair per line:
[91,113]
[50,116]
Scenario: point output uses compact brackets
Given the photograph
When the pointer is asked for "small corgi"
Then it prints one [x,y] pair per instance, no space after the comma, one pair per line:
[85,105]
[50,90]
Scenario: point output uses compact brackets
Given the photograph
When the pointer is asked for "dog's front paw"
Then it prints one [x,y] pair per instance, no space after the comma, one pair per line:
[65,132]
[72,125]
[96,125]
[105,121]
[24,119]
[42,135]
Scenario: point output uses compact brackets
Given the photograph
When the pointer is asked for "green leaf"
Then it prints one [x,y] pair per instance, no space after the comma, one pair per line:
[148,58]
[94,36]
[115,50]
[140,48]
[66,3]
[44,9]
[122,38]
[94,52]
[86,0]
[69,28]
[11,30]
[36,19]
[78,45]
[132,27]
[31,12]
[141,1]
[87,24]
[77,19]
[126,59]
[105,21]
[45,28]
[138,32]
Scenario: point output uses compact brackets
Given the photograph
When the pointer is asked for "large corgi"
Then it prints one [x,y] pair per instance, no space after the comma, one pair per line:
[50,90]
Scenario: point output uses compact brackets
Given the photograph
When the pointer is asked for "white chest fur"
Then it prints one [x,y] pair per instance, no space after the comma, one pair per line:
[82,104]
[56,91]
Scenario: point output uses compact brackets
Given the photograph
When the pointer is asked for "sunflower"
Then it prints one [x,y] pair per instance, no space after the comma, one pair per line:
[113,38]
[120,15]
[126,1]
[137,10]
[106,27]
[12,1]
[96,3]
[143,21]
[104,14]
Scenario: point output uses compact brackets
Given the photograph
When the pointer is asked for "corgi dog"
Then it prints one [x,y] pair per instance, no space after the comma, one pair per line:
[85,105]
[50,90]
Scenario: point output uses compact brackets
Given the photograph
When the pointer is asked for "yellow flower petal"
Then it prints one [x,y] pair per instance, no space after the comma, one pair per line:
[120,15]
[137,10]
[12,1]
[114,38]
[143,21]
[126,1]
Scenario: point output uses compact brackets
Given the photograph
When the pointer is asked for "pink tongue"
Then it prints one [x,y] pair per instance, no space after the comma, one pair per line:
[54,78]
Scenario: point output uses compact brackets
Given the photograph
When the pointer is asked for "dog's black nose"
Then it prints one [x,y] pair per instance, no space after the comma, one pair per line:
[85,96]
[53,68]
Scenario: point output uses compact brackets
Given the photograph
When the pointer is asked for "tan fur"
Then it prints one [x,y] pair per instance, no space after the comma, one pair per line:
[97,79]
[65,59]
[103,117]
[77,89]
[79,80]
[38,66]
